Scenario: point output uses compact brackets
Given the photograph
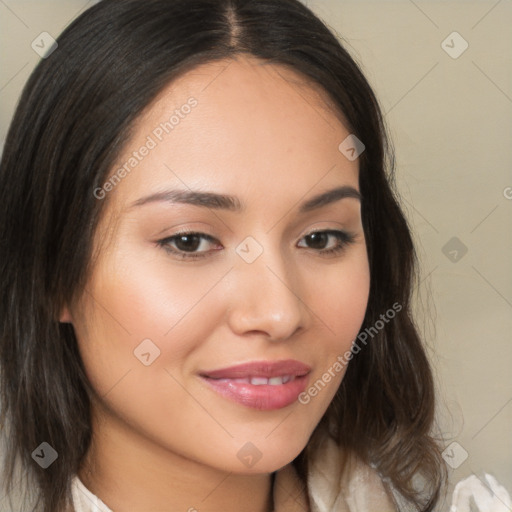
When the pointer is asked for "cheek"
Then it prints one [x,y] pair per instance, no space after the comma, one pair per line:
[340,299]
[142,323]
[138,304]
[141,296]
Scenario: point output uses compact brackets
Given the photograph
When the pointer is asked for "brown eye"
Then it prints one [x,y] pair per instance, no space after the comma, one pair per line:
[186,245]
[318,240]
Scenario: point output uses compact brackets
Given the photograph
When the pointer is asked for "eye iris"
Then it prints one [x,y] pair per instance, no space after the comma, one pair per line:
[195,239]
[318,238]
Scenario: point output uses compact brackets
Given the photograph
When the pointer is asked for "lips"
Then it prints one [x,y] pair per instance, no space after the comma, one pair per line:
[263,369]
[263,385]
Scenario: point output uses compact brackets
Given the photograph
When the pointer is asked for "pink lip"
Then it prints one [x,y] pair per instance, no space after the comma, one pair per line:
[264,396]
[266,369]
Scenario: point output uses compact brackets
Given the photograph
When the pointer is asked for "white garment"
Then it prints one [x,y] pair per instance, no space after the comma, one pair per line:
[488,496]
[84,500]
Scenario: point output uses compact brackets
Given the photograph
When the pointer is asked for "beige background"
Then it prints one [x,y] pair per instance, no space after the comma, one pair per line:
[451,123]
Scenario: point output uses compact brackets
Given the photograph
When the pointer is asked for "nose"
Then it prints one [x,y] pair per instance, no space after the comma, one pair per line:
[266,298]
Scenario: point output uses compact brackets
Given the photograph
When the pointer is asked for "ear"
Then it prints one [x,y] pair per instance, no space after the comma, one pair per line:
[65,316]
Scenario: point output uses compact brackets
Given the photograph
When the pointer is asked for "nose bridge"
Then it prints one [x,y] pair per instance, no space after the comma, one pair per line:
[265,296]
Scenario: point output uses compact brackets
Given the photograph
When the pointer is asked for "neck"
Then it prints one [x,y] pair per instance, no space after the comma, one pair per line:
[130,472]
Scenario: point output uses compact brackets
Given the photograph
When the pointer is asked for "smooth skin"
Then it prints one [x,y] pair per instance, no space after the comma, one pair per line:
[162,439]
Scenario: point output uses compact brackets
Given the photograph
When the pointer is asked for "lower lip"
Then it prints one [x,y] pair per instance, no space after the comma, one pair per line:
[264,397]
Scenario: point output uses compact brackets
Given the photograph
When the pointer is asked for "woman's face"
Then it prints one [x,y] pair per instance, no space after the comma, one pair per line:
[162,312]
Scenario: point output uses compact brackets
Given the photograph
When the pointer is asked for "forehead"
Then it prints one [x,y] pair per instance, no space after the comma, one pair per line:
[250,77]
[237,124]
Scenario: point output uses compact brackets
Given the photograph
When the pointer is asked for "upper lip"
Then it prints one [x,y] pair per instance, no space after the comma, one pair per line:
[266,369]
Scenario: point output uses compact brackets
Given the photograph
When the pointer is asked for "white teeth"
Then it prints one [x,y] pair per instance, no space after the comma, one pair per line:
[262,381]
[273,381]
[258,381]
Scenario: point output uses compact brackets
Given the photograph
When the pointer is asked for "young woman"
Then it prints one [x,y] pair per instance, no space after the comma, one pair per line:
[206,275]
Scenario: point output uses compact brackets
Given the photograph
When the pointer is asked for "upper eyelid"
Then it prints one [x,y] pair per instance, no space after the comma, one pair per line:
[333,225]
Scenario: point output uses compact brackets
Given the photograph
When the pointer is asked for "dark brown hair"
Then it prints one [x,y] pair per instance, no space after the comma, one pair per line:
[74,117]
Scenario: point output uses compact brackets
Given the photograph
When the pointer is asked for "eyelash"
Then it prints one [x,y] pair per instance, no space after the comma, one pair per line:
[344,240]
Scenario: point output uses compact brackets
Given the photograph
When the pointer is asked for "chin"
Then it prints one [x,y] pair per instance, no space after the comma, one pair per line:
[265,455]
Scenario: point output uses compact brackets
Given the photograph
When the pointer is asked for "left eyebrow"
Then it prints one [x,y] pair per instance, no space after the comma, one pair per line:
[233,203]
[331,196]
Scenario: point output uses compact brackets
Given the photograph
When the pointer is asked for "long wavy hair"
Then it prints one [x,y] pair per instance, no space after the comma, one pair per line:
[74,117]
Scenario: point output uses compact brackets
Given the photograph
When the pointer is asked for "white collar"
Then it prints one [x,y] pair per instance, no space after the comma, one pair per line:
[84,500]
